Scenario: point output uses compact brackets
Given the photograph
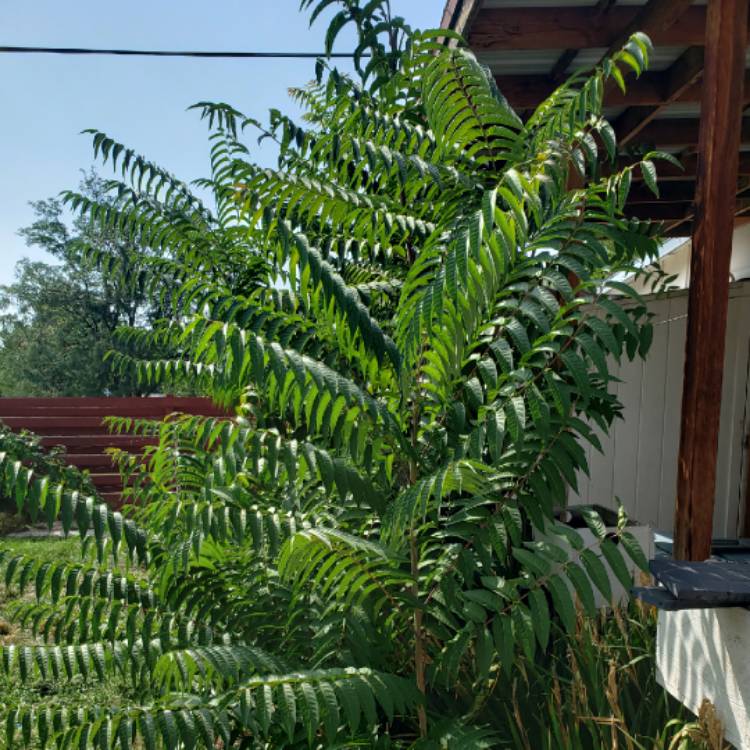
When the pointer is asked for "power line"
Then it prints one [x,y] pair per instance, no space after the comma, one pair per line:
[171,53]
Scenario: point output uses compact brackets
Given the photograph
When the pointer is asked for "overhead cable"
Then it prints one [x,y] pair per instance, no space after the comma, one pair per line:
[172,53]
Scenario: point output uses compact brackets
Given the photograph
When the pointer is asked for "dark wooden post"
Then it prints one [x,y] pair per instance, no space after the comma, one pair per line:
[721,110]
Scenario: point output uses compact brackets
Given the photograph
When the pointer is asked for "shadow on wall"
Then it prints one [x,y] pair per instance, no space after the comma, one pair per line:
[705,654]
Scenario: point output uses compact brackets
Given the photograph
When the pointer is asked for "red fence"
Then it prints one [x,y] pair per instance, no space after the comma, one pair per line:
[77,424]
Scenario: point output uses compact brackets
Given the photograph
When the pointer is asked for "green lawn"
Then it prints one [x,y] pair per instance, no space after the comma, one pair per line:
[45,549]
[48,693]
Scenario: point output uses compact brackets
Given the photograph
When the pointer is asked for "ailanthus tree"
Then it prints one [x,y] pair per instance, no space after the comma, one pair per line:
[368,548]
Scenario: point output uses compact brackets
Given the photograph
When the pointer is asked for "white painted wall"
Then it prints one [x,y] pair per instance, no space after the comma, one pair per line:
[639,464]
[740,268]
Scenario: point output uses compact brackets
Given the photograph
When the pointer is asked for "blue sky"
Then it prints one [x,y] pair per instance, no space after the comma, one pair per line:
[47,100]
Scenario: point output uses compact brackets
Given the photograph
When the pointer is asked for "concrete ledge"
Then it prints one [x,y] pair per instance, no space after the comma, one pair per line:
[705,654]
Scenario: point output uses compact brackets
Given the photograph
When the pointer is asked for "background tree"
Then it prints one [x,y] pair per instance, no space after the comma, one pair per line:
[59,318]
[53,335]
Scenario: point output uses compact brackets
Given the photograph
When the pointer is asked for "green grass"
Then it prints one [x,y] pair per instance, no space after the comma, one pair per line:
[48,693]
[45,549]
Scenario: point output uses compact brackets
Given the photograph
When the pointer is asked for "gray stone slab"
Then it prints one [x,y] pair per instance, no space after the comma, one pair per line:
[716,583]
[660,598]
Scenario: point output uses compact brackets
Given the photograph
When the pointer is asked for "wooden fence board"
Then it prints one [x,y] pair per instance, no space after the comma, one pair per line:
[122,407]
[77,425]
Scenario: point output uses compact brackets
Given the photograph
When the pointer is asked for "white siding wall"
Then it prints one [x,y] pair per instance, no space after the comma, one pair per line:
[639,463]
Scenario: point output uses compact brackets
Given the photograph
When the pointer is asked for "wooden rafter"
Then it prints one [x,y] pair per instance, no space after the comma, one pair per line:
[571,28]
[566,58]
[669,213]
[527,91]
[708,300]
[685,229]
[746,499]
[689,163]
[676,191]
[741,209]
[458,14]
[655,18]
[681,131]
[679,78]
[643,121]
[675,213]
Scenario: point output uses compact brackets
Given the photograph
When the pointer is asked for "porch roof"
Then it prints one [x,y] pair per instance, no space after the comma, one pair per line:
[531,46]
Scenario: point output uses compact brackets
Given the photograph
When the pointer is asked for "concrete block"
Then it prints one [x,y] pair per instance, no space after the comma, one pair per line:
[705,654]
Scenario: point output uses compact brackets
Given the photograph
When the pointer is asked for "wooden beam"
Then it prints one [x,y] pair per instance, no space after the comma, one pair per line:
[671,132]
[571,28]
[458,14]
[742,206]
[683,229]
[675,212]
[668,172]
[528,91]
[557,74]
[559,69]
[656,211]
[708,297]
[655,18]
[449,14]
[678,78]
[675,191]
[691,94]
[681,191]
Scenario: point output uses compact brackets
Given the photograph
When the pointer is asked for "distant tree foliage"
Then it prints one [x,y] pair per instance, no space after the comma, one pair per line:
[58,319]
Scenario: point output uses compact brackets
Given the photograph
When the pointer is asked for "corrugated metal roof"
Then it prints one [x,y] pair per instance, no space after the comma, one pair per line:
[680,109]
[522,61]
[660,59]
[529,62]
